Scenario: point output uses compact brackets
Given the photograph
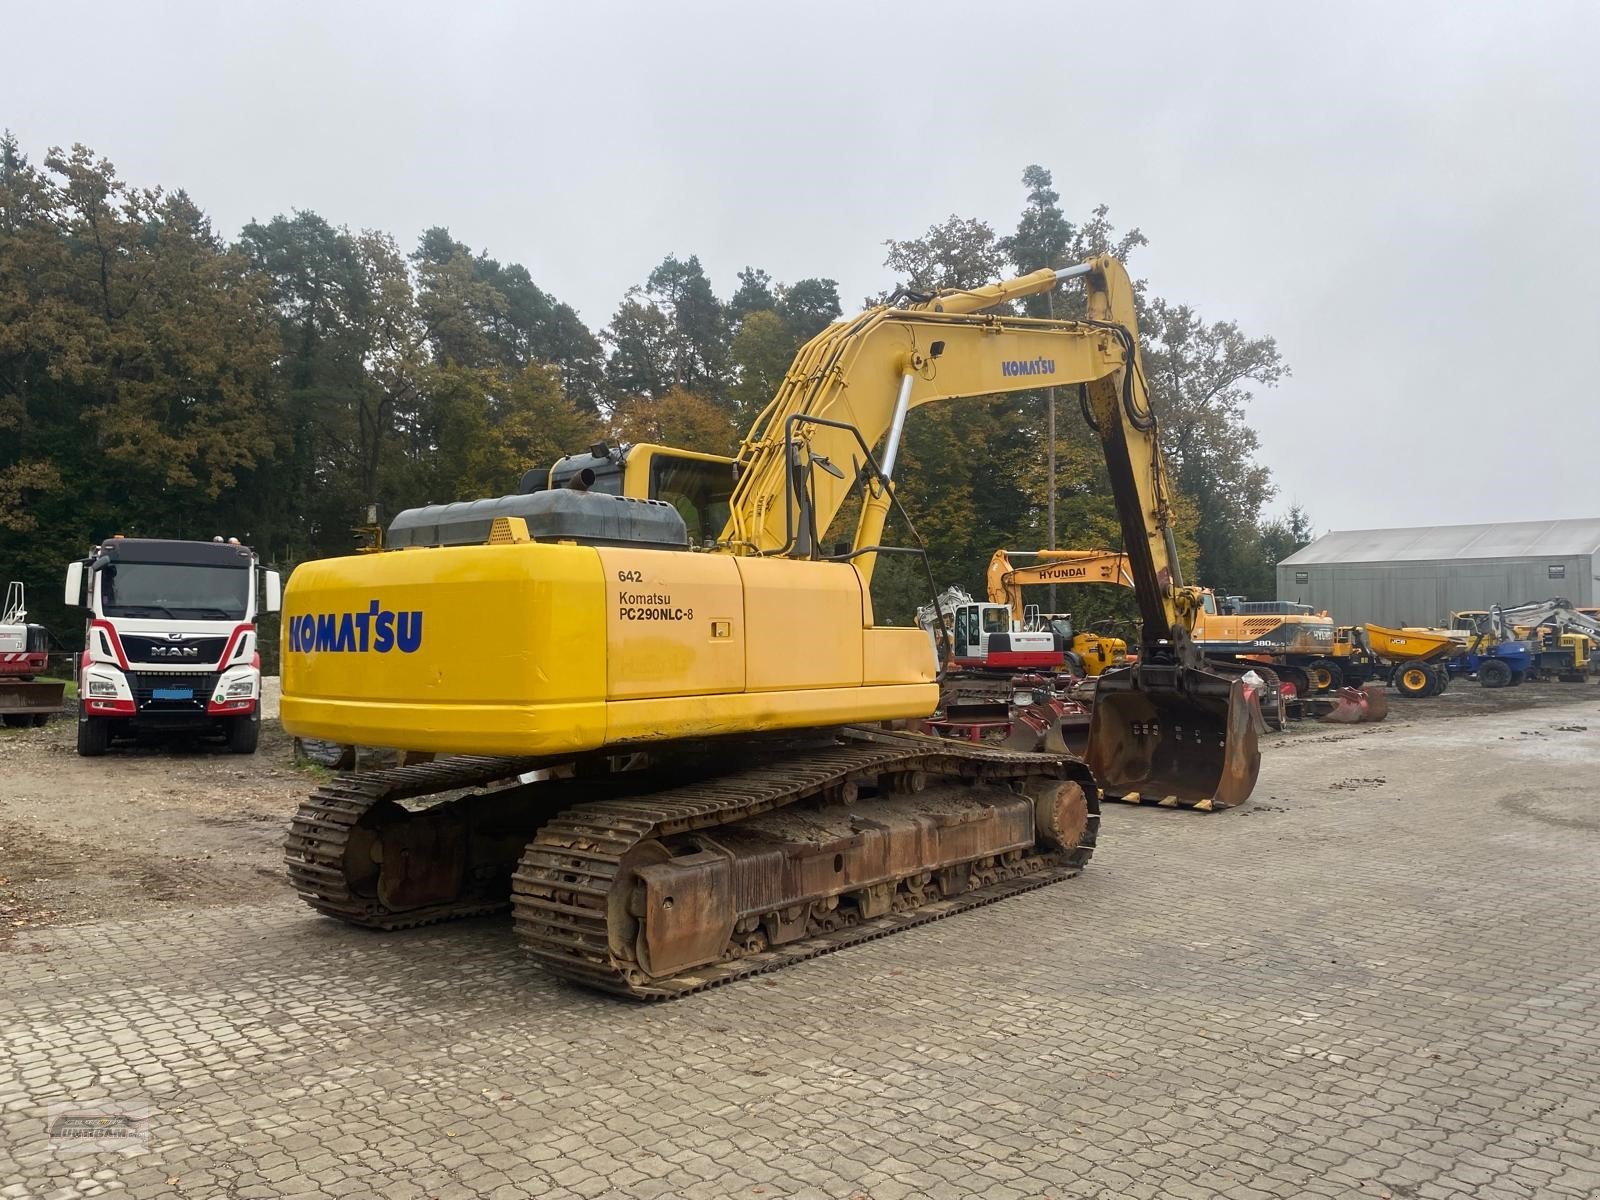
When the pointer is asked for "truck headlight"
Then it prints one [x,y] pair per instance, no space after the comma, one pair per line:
[240,687]
[102,688]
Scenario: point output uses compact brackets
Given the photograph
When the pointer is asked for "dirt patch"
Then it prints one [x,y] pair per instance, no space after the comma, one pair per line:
[1357,783]
[181,825]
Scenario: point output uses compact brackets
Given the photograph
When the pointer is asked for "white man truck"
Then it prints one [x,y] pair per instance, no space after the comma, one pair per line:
[170,642]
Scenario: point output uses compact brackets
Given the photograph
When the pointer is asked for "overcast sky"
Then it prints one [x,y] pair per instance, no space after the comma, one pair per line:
[1406,195]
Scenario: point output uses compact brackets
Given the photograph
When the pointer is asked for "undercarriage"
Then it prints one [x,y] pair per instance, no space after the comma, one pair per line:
[702,864]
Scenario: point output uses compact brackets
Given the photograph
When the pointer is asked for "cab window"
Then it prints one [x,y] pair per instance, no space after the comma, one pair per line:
[698,489]
[997,620]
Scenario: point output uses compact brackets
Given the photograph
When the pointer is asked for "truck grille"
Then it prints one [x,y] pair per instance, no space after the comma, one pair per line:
[199,650]
[146,683]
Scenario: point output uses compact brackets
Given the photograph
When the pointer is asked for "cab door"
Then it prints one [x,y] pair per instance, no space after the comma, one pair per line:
[969,643]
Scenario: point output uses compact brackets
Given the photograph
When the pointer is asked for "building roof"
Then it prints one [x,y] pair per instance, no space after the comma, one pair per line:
[1449,543]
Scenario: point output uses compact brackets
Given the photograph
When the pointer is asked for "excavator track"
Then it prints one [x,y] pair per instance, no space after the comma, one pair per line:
[317,849]
[572,869]
[574,872]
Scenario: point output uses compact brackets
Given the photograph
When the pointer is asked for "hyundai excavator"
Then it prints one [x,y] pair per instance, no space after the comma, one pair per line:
[675,758]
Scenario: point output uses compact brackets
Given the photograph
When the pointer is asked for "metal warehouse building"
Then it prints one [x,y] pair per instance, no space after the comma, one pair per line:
[1420,576]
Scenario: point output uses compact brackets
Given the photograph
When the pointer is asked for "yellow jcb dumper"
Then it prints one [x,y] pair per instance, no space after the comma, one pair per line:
[721,801]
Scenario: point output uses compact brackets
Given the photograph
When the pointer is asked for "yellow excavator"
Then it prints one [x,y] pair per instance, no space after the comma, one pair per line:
[671,759]
[1089,653]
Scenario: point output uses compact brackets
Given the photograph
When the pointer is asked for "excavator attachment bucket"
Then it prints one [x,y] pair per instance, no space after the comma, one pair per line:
[1354,705]
[1175,735]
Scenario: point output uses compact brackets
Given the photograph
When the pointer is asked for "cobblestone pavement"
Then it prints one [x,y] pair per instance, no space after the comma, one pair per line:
[1379,979]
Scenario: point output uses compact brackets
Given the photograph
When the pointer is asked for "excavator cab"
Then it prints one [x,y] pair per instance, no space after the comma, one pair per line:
[699,486]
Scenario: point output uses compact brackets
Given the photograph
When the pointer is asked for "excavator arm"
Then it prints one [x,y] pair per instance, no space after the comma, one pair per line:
[1006,581]
[1169,725]
[838,420]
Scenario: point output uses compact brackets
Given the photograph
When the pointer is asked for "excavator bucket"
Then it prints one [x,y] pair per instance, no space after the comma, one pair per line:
[1352,706]
[1175,735]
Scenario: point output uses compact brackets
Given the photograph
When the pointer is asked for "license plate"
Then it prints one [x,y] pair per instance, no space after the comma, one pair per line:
[172,694]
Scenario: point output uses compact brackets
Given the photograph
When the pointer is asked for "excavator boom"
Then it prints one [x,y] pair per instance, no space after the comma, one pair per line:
[1006,581]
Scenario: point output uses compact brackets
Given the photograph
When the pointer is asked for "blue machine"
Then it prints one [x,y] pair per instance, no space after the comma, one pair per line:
[1496,664]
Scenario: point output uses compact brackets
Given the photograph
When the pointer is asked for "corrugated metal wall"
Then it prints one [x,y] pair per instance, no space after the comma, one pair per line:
[1423,593]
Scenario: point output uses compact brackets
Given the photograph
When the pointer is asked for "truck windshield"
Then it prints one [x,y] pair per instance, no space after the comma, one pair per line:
[132,589]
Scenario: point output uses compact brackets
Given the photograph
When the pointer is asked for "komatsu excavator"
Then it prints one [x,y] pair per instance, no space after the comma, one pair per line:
[671,758]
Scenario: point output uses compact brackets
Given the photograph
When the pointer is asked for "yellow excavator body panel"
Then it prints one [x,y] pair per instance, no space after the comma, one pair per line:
[536,649]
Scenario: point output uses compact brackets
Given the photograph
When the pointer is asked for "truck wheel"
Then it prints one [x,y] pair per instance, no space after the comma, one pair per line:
[244,733]
[1493,673]
[94,735]
[41,718]
[1442,674]
[1326,675]
[17,720]
[1414,679]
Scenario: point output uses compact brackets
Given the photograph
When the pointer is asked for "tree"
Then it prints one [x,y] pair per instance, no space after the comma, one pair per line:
[958,253]
[481,313]
[1200,374]
[643,349]
[1277,540]
[679,418]
[135,365]
[490,425]
[754,294]
[762,351]
[319,287]
[808,307]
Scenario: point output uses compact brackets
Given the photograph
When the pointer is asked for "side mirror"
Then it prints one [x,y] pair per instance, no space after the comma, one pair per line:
[74,592]
[274,588]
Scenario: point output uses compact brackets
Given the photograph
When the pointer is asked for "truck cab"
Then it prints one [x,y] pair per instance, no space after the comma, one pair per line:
[170,640]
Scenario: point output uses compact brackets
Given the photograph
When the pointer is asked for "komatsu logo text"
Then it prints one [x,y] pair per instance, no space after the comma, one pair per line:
[377,629]
[1028,366]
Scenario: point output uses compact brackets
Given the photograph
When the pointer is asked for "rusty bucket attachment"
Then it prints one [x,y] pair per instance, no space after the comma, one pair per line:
[1355,705]
[1175,735]
[1054,724]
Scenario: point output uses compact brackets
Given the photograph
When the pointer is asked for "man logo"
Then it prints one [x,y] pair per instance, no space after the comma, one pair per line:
[175,651]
